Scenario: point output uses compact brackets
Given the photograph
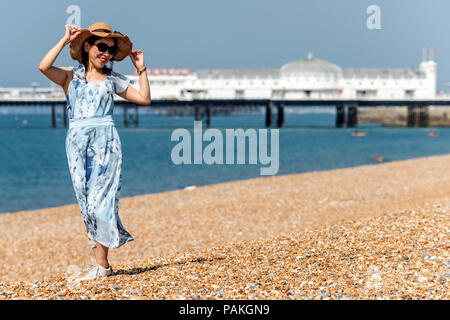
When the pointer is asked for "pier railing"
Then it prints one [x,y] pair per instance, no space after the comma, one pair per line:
[346,109]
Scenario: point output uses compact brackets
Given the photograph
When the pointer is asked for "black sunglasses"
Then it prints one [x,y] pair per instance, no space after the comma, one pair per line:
[102,47]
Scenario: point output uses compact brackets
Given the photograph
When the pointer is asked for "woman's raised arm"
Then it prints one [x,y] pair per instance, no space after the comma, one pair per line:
[55,74]
[142,96]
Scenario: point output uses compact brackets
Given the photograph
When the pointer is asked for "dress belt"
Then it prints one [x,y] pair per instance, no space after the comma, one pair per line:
[92,121]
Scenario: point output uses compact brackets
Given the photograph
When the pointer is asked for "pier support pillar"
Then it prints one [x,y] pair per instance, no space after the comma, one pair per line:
[136,119]
[203,112]
[125,118]
[340,116]
[65,115]
[424,116]
[352,115]
[417,116]
[208,115]
[197,113]
[269,114]
[411,117]
[53,116]
[280,118]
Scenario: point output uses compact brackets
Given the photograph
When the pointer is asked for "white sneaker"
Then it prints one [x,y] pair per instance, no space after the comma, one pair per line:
[96,272]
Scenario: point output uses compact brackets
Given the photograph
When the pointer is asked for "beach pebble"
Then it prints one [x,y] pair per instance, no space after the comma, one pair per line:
[422,279]
[337,235]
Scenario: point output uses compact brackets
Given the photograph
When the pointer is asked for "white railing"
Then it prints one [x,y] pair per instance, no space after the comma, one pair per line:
[57,94]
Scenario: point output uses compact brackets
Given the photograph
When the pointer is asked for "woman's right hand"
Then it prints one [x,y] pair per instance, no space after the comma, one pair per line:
[71,33]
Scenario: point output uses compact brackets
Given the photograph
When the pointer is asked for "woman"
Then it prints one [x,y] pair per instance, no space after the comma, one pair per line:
[93,146]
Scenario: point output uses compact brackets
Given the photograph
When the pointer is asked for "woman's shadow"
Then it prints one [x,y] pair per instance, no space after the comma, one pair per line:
[135,271]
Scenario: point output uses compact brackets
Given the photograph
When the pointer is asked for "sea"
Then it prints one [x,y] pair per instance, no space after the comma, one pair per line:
[34,172]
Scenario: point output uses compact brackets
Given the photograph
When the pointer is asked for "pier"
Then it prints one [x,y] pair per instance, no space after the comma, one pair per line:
[346,110]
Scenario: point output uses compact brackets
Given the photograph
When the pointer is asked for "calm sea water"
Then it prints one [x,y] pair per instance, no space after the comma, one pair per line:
[34,172]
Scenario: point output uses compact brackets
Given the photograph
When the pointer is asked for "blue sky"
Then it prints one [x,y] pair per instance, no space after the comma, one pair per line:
[199,34]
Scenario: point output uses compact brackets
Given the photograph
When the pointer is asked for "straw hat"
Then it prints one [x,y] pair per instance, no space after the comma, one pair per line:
[103,30]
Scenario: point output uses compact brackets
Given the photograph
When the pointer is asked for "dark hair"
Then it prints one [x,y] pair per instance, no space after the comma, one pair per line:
[85,56]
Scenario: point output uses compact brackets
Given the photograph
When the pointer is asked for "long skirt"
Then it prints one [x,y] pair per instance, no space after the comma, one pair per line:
[94,155]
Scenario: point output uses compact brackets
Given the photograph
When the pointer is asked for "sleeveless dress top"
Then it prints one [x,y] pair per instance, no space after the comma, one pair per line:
[94,155]
[93,99]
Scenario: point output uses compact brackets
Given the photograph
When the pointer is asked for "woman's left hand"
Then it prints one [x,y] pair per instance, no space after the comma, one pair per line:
[137,57]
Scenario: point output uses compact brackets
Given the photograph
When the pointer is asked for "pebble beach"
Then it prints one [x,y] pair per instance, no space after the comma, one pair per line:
[371,232]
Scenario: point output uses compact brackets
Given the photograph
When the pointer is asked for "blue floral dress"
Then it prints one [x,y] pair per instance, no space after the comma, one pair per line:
[94,155]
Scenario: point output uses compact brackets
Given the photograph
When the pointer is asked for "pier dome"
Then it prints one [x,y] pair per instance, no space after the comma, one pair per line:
[310,66]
